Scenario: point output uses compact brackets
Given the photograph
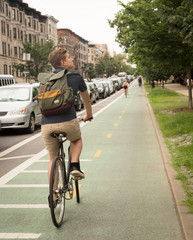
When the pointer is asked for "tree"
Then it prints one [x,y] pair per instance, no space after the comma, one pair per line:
[179,17]
[147,37]
[39,58]
[113,65]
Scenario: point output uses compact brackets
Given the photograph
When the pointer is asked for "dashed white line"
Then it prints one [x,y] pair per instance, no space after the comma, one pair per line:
[31,206]
[19,145]
[13,158]
[19,236]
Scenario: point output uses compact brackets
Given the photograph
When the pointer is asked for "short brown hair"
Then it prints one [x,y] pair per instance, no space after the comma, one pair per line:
[56,56]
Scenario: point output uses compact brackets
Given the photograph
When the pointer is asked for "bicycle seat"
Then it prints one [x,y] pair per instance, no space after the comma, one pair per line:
[57,134]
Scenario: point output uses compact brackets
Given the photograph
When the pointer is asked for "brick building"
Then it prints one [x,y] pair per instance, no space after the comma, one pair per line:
[96,51]
[20,23]
[75,45]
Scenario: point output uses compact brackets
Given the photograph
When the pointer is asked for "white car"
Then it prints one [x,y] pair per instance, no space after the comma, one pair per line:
[19,107]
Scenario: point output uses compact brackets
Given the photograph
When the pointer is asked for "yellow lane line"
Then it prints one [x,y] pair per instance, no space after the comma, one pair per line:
[97,154]
[115,124]
[109,135]
[120,117]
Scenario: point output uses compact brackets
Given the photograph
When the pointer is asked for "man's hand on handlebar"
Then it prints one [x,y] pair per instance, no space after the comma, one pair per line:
[87,118]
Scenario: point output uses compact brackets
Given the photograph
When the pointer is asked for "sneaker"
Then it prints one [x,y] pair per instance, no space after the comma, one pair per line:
[76,172]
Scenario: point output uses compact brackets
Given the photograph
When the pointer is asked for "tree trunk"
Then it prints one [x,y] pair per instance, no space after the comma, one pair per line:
[189,87]
[162,83]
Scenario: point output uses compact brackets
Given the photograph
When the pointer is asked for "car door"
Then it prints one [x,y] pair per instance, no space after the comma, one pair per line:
[38,115]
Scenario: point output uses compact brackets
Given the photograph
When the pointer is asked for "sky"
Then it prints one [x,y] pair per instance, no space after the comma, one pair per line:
[86,18]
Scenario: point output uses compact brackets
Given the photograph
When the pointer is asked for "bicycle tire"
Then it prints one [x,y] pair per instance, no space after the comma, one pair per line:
[57,194]
[77,191]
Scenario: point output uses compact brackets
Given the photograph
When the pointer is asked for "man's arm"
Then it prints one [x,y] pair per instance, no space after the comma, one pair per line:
[87,103]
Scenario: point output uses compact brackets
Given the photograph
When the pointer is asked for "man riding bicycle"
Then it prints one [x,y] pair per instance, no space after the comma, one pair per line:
[66,122]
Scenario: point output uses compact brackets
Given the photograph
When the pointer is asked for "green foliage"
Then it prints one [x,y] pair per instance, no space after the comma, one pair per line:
[113,65]
[144,30]
[39,58]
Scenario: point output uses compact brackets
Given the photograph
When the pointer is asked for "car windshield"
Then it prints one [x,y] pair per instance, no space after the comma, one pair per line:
[14,94]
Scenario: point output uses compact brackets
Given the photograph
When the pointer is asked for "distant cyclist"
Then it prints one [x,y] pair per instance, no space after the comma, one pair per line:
[139,81]
[125,87]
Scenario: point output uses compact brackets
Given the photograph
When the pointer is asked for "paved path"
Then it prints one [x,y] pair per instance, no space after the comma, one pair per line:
[126,193]
[178,88]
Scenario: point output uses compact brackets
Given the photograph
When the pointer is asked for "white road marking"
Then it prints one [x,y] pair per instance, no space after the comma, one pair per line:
[5,206]
[10,175]
[13,158]
[24,186]
[34,171]
[19,236]
[20,144]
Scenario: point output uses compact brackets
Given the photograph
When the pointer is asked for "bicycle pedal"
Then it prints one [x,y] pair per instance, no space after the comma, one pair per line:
[76,178]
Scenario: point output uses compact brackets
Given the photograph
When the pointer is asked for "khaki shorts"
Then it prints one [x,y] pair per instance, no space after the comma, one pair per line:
[71,128]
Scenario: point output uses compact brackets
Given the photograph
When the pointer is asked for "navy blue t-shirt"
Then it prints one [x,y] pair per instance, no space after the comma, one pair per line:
[77,83]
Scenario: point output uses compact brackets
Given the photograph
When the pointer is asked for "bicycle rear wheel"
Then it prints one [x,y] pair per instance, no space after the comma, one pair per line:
[57,195]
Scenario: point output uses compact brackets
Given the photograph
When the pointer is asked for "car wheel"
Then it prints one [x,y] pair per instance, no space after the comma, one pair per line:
[31,126]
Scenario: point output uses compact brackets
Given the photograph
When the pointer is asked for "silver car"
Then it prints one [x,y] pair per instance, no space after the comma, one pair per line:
[18,106]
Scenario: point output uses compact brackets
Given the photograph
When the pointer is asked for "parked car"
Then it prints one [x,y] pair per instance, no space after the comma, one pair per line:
[107,85]
[19,107]
[111,86]
[78,102]
[102,89]
[91,92]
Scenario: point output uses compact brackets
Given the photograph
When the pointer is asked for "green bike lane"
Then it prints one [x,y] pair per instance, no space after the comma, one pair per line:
[126,194]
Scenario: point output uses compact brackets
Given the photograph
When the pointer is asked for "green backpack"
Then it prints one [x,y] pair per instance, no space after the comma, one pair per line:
[55,96]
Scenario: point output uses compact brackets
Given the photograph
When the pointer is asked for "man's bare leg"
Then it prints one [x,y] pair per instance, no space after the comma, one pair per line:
[75,150]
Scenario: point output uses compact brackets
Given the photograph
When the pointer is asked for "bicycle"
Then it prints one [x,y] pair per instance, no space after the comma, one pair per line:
[61,183]
[125,91]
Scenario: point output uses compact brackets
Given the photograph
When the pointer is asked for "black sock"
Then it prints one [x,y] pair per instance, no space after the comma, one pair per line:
[76,164]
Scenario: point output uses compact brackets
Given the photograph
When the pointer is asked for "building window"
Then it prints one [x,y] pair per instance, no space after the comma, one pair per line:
[29,22]
[30,39]
[5,69]
[21,35]
[3,27]
[15,51]
[20,17]
[25,37]
[9,69]
[41,28]
[2,6]
[34,24]
[50,29]
[7,12]
[14,33]
[9,50]
[4,48]
[13,14]
[8,30]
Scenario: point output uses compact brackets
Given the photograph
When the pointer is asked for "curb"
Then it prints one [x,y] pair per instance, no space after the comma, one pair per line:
[185,219]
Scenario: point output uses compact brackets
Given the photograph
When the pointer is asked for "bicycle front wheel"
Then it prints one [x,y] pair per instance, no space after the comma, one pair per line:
[57,194]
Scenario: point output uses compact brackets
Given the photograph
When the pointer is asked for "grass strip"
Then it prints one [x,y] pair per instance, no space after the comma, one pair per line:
[176,124]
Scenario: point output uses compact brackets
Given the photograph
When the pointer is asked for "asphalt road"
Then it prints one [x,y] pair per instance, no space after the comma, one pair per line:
[126,193]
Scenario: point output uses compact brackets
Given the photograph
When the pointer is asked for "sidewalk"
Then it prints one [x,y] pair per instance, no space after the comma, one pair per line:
[177,87]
